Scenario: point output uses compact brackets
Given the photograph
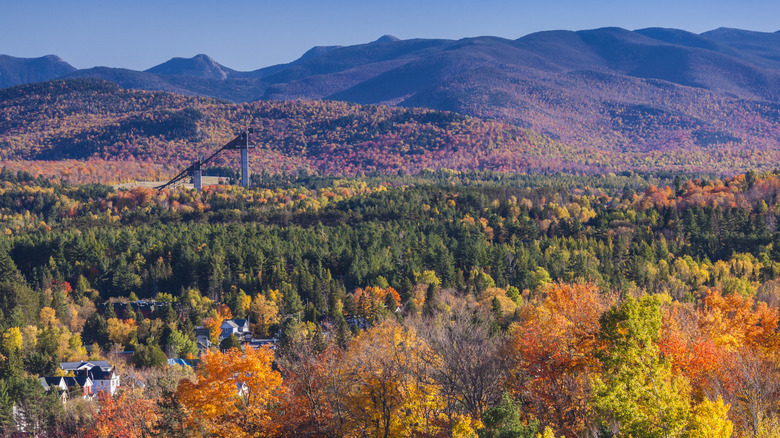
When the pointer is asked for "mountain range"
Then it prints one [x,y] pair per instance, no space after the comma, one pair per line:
[608,89]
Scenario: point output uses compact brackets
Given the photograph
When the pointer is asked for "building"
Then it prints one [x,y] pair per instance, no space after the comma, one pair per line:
[102,374]
[65,385]
[238,327]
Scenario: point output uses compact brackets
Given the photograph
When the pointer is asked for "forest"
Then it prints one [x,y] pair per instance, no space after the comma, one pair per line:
[89,131]
[434,304]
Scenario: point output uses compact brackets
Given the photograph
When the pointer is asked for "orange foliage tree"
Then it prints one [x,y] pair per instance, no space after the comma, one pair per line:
[236,394]
[126,415]
[315,402]
[728,348]
[552,354]
[214,323]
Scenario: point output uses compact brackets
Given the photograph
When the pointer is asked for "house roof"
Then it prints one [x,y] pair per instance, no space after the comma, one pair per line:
[63,383]
[74,366]
[257,343]
[202,331]
[228,323]
[95,370]
[235,323]
[53,382]
[81,381]
[179,361]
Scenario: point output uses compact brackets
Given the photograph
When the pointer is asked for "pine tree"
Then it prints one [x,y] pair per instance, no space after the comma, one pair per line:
[431,304]
[390,303]
[8,270]
[109,313]
[291,302]
[6,405]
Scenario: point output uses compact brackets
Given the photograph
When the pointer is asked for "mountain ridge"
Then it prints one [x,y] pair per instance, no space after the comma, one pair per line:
[16,71]
[652,89]
[201,66]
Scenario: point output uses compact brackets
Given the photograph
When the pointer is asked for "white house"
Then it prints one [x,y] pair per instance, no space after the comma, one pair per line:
[238,327]
[63,384]
[102,374]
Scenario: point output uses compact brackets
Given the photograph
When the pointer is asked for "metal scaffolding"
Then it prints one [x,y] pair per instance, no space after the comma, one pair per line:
[241,143]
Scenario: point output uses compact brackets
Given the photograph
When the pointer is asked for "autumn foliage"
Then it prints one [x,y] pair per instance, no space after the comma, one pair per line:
[440,304]
[234,394]
[127,415]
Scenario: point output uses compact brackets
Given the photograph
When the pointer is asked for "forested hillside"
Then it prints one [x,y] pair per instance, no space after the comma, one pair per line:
[125,134]
[438,304]
[89,119]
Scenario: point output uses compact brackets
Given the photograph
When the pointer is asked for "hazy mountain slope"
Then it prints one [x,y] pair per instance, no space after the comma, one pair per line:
[235,90]
[763,45]
[16,71]
[199,66]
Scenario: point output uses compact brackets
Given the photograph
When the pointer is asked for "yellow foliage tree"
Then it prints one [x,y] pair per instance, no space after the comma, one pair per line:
[768,427]
[12,339]
[464,426]
[121,332]
[390,394]
[30,337]
[246,302]
[48,317]
[265,313]
[548,433]
[709,419]
[507,305]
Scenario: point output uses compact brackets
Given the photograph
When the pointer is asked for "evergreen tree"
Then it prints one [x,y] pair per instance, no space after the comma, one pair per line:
[96,331]
[431,304]
[230,342]
[8,270]
[390,303]
[291,303]
[150,356]
[506,421]
[6,406]
[109,312]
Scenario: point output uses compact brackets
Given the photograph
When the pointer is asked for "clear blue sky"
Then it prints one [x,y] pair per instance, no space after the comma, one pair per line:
[246,34]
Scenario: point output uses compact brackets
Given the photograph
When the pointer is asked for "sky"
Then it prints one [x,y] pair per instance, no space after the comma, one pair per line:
[246,35]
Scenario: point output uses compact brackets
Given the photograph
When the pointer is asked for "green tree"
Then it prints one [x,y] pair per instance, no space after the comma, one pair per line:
[505,420]
[149,357]
[6,405]
[95,331]
[637,392]
[110,312]
[230,342]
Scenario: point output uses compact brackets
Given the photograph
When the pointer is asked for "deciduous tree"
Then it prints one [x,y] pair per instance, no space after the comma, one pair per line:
[236,393]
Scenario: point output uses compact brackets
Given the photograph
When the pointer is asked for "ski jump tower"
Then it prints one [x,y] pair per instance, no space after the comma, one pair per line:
[240,143]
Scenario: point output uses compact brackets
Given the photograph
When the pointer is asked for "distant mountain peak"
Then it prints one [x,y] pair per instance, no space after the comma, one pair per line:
[16,71]
[317,51]
[387,39]
[203,57]
[202,66]
[734,31]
